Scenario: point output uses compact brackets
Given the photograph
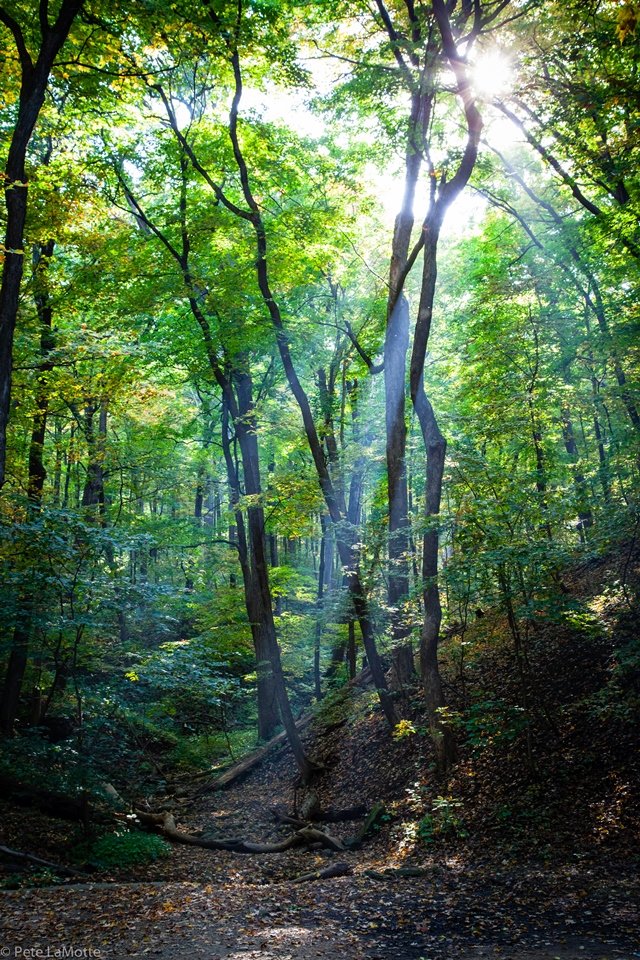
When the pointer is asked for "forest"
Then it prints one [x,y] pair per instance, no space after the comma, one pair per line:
[319,463]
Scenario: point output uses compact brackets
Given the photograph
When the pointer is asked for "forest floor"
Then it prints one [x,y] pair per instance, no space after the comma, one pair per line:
[528,862]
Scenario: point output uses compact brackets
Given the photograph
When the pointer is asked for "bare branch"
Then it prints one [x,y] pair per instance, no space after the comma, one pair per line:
[186,146]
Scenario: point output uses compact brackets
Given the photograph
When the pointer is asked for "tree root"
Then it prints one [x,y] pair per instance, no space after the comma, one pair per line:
[166,825]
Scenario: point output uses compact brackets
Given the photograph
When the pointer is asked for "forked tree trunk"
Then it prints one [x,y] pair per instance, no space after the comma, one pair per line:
[442,195]
[396,346]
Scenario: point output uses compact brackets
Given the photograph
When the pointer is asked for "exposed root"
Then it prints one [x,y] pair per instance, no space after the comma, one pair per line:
[165,823]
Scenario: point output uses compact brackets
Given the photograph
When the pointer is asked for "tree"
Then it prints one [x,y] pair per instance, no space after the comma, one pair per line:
[35,71]
[419,40]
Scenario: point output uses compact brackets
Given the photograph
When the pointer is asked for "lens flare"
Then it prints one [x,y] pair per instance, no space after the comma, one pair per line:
[491,74]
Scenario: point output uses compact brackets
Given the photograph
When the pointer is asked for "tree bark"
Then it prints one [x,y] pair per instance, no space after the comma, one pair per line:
[444,743]
[93,493]
[395,356]
[585,518]
[396,346]
[316,650]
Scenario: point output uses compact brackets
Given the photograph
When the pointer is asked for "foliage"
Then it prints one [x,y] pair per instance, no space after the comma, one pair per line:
[122,849]
[122,584]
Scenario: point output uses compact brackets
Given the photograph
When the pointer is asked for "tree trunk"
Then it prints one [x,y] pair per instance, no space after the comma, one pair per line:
[37,472]
[444,743]
[268,718]
[395,362]
[33,85]
[351,649]
[602,457]
[13,681]
[316,650]
[395,355]
[435,445]
[246,429]
[35,484]
[585,518]
[200,493]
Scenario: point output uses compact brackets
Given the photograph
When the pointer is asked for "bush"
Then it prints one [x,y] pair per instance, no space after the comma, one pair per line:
[123,849]
[443,822]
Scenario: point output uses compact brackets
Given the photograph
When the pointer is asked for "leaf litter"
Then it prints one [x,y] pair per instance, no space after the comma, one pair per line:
[543,865]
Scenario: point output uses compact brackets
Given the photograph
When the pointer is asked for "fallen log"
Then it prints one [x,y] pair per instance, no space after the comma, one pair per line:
[311,835]
[371,822]
[340,816]
[165,823]
[284,818]
[65,871]
[250,761]
[253,759]
[335,870]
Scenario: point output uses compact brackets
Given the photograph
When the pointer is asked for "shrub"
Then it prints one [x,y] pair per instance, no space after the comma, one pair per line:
[123,849]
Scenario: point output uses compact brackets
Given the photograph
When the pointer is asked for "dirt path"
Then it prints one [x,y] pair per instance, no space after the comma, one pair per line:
[529,914]
[474,898]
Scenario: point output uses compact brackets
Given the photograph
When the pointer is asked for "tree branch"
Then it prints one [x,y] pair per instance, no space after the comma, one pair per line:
[372,368]
[503,205]
[551,160]
[184,143]
[395,41]
[43,12]
[23,53]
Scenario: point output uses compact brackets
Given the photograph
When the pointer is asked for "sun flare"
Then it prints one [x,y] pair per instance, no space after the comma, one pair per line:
[491,74]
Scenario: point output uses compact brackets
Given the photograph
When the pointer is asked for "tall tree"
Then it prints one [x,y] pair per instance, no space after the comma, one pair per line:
[230,32]
[35,70]
[420,40]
